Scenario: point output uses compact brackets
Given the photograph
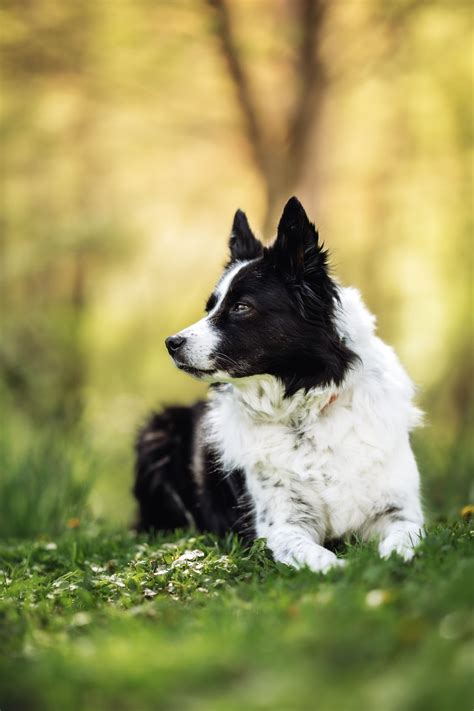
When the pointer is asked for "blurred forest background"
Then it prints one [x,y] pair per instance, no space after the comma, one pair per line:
[130,133]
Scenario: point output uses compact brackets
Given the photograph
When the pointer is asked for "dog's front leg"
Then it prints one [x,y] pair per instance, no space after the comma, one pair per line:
[293,529]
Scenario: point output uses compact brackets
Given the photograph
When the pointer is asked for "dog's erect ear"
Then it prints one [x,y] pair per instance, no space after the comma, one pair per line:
[296,247]
[243,244]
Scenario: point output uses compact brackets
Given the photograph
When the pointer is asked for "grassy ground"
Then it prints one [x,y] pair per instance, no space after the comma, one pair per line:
[98,619]
[92,617]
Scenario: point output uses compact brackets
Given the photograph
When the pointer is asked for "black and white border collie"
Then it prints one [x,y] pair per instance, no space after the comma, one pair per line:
[305,435]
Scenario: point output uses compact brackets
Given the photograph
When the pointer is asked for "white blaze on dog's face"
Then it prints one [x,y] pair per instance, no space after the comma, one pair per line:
[271,313]
[196,354]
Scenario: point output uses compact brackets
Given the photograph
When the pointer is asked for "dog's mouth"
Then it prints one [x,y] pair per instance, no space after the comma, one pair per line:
[196,372]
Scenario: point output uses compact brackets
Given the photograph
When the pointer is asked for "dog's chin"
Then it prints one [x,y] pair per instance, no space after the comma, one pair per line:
[215,375]
[198,373]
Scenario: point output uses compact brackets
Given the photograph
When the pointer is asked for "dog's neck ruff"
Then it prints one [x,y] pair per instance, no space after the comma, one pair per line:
[262,399]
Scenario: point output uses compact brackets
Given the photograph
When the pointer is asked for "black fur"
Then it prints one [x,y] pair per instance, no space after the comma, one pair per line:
[169,491]
[243,244]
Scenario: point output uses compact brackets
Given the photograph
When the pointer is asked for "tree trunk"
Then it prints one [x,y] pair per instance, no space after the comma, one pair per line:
[281,164]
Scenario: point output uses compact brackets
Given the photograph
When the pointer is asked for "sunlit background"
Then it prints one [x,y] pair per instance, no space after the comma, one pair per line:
[131,132]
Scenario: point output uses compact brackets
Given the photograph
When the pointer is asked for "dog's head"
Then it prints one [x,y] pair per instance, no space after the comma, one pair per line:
[272,312]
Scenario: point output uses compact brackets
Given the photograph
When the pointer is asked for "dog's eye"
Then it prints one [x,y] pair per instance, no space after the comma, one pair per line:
[241,308]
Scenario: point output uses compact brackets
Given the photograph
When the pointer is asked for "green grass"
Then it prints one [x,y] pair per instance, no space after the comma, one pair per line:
[99,619]
[45,480]
[93,617]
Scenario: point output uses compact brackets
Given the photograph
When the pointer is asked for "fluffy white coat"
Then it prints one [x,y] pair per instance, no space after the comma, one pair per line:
[330,462]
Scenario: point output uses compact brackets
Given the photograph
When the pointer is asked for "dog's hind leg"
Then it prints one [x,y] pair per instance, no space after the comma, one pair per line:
[164,485]
[179,482]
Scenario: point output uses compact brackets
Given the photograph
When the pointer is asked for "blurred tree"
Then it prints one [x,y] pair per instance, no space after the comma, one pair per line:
[55,233]
[281,160]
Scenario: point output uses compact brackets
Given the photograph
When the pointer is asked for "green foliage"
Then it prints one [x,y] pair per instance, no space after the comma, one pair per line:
[45,480]
[105,620]
[446,464]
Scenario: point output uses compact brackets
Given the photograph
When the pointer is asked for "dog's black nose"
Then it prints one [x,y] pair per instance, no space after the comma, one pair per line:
[174,343]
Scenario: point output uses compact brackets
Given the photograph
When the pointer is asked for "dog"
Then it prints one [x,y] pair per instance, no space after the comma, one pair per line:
[305,435]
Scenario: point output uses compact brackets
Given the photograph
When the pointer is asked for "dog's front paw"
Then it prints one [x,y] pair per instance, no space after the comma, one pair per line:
[402,543]
[324,561]
[330,565]
[314,557]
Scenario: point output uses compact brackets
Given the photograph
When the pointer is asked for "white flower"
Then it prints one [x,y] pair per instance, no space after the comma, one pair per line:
[187,557]
[375,598]
[161,571]
[453,625]
[80,619]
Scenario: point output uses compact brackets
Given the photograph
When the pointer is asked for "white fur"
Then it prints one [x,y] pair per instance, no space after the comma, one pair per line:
[224,284]
[201,341]
[319,469]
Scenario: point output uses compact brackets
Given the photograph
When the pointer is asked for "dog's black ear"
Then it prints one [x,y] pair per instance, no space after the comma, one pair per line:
[243,244]
[296,248]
